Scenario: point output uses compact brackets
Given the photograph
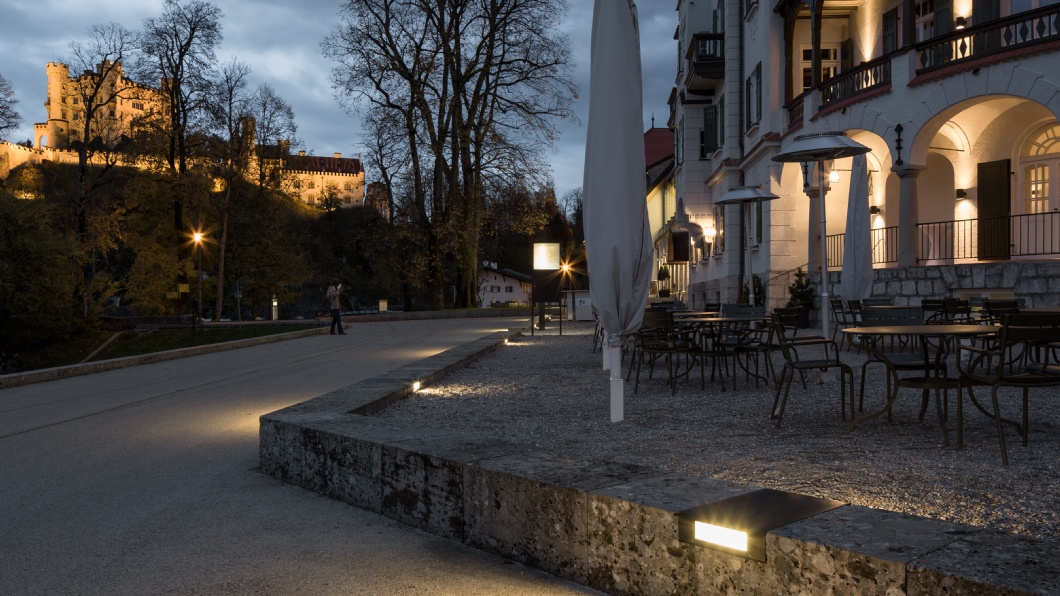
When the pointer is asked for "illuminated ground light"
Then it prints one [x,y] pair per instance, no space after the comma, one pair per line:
[738,525]
[416,386]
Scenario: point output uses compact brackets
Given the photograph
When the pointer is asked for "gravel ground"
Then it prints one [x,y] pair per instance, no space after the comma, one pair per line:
[550,392]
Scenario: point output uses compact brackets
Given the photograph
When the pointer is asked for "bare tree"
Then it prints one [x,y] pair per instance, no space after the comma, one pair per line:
[179,48]
[274,134]
[474,86]
[229,108]
[9,117]
[97,90]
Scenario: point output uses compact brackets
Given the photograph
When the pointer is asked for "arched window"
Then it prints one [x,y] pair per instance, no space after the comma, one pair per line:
[1039,163]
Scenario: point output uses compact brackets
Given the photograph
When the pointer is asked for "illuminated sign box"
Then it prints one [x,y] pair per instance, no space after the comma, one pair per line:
[546,256]
[738,525]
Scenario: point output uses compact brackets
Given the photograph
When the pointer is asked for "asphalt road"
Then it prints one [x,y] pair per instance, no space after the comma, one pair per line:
[144,481]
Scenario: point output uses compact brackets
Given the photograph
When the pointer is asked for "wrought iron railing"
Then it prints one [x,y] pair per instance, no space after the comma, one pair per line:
[884,247]
[795,112]
[993,37]
[854,82]
[708,46]
[990,238]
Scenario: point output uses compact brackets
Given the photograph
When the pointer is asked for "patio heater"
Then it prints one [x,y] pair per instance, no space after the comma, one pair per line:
[746,196]
[818,148]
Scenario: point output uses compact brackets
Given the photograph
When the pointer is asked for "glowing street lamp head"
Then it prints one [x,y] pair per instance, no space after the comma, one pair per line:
[197,237]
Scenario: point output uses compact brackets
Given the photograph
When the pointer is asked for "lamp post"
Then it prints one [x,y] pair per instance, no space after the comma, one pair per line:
[746,196]
[197,238]
[818,148]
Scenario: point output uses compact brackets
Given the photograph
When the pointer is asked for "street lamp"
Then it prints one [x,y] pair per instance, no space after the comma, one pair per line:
[819,147]
[197,239]
[746,196]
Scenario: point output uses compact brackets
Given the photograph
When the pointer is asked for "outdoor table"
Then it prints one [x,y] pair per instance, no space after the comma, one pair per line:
[933,377]
[708,331]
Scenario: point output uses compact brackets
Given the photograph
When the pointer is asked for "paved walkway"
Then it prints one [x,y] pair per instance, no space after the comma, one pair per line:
[143,481]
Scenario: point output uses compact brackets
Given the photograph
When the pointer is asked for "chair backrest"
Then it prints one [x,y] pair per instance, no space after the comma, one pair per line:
[656,319]
[1035,328]
[955,309]
[711,306]
[933,310]
[997,308]
[890,317]
[788,317]
[854,306]
[736,310]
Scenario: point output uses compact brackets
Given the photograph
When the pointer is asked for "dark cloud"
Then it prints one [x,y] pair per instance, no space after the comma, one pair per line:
[281,41]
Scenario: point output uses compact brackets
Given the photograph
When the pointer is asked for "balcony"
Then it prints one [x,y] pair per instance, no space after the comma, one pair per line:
[856,81]
[706,57]
[995,37]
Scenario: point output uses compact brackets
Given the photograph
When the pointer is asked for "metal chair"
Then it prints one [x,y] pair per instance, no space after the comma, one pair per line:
[1032,335]
[825,356]
[895,361]
[841,315]
[996,309]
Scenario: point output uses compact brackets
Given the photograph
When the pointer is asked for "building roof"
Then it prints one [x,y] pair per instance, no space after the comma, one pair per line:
[508,273]
[658,145]
[315,163]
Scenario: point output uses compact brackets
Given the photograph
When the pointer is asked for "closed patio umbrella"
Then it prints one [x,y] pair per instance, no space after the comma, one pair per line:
[618,241]
[856,281]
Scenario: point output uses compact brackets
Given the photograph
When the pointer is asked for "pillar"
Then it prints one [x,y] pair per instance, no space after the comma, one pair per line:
[908,209]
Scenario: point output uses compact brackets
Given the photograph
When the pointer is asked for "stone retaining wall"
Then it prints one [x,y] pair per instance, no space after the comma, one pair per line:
[613,526]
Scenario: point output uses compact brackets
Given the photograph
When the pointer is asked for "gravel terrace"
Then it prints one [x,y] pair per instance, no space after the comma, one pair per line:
[550,392]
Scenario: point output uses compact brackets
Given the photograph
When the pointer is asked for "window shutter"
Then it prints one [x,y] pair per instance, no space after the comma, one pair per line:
[890,31]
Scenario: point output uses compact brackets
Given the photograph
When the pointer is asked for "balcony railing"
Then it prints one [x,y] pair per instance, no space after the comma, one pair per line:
[707,61]
[796,112]
[990,238]
[884,247]
[856,81]
[993,37]
[985,239]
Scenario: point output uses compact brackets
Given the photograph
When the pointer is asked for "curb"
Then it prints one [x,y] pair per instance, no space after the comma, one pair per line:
[87,368]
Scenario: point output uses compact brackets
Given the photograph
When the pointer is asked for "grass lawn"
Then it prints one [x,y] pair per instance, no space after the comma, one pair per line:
[131,343]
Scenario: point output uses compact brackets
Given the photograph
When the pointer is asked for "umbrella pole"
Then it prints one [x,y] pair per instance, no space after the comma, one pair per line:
[617,388]
[747,250]
[824,250]
[605,349]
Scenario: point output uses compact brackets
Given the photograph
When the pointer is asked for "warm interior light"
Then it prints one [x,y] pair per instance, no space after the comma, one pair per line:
[720,536]
[415,386]
[833,176]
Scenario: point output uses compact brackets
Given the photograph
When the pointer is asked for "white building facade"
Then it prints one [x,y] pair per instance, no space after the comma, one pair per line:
[957,100]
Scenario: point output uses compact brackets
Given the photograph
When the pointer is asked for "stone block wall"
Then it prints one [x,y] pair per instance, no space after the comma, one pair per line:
[614,526]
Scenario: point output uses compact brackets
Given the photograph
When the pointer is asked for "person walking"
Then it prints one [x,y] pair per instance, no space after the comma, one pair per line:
[333,297]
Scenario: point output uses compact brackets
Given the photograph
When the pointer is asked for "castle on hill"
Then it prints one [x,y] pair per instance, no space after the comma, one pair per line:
[315,180]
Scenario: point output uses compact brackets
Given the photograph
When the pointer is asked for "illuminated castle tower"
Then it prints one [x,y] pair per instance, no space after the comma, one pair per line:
[120,101]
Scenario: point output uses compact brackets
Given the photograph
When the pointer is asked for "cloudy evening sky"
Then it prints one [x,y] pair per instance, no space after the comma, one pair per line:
[281,42]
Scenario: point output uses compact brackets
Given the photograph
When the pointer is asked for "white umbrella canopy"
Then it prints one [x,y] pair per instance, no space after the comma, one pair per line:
[856,280]
[746,196]
[618,241]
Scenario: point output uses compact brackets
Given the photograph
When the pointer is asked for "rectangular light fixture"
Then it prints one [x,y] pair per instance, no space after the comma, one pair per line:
[739,525]
[546,256]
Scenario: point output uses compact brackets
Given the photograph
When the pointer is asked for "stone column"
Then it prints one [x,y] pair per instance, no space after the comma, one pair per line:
[908,209]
